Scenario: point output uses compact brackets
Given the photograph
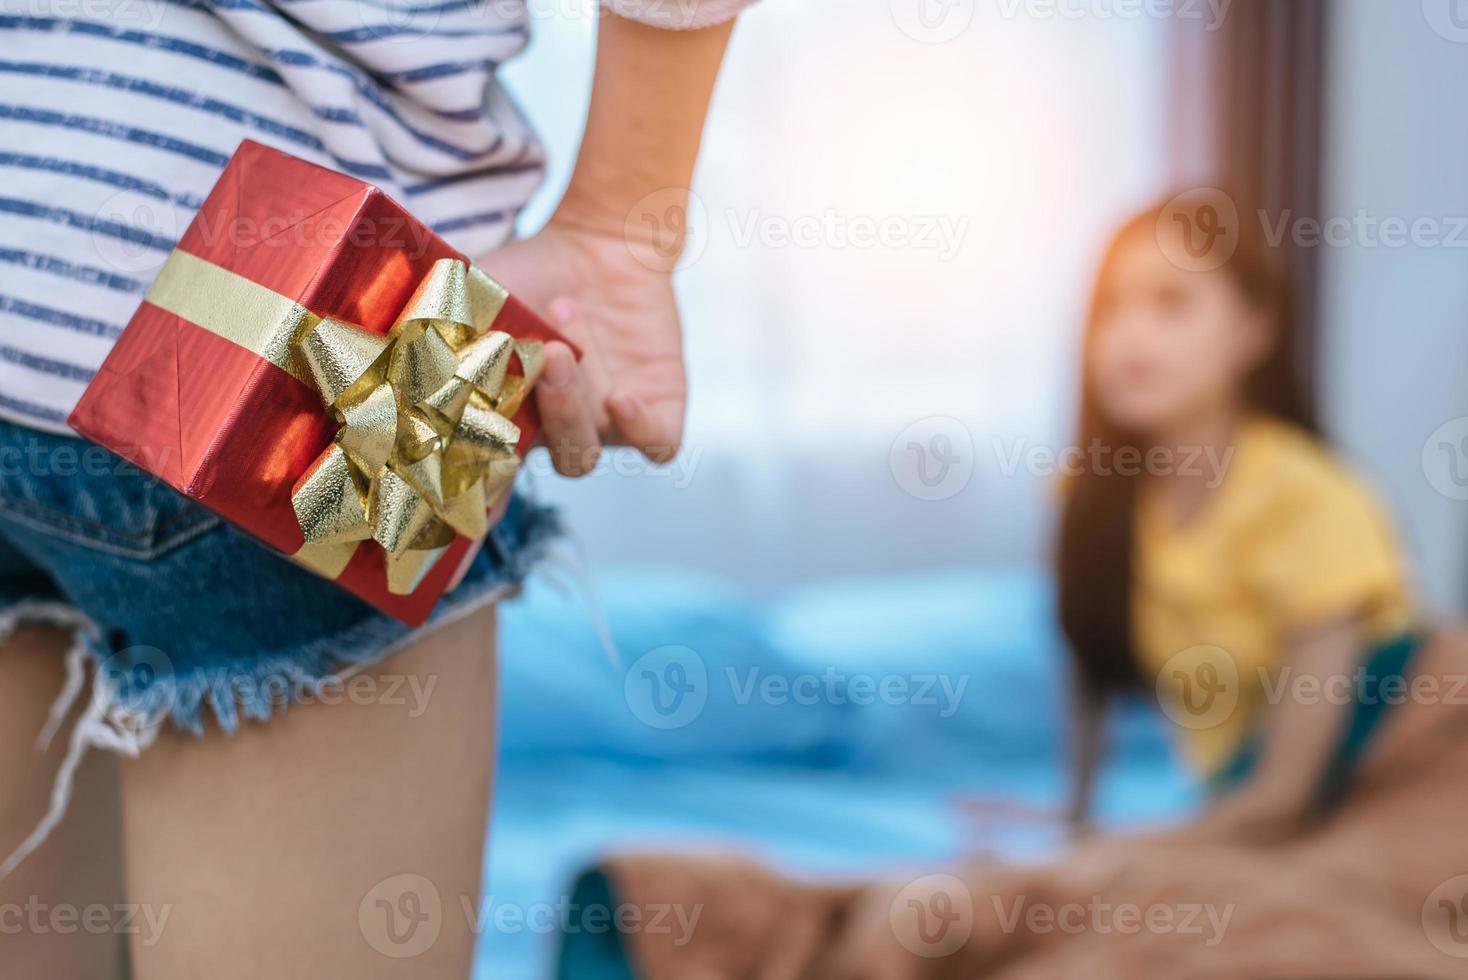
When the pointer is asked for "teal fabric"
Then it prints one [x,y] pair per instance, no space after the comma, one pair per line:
[593,955]
[1387,665]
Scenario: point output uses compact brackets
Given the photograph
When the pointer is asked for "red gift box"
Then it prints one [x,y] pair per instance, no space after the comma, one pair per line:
[293,279]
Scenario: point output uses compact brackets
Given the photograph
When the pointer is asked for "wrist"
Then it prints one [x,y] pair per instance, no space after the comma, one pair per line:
[643,128]
[653,228]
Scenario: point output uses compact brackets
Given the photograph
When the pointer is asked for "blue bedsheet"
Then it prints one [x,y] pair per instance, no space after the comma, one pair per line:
[832,729]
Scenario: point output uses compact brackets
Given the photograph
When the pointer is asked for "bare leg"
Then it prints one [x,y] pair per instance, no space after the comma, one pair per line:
[44,931]
[339,840]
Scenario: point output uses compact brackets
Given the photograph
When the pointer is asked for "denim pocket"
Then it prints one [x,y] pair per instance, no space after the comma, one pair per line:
[70,489]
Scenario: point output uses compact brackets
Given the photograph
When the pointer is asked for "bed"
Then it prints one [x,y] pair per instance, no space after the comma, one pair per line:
[840,728]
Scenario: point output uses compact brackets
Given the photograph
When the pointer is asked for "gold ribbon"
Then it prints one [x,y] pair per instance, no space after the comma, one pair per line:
[426,444]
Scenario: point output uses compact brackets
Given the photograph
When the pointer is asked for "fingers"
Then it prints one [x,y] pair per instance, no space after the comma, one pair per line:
[568,428]
[657,434]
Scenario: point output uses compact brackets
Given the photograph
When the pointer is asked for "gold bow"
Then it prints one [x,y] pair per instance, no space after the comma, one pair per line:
[426,444]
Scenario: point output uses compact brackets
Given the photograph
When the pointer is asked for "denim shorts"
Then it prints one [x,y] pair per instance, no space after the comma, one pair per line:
[180,616]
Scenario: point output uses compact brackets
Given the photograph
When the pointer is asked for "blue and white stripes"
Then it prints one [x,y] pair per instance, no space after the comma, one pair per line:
[116,117]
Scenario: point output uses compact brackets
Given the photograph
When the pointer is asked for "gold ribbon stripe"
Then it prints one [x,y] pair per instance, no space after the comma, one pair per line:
[240,310]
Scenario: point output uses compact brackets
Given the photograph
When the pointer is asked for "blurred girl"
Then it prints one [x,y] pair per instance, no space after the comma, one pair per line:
[1213,546]
[1214,549]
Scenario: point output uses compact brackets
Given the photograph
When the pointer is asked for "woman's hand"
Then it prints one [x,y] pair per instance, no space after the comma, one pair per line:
[629,387]
[600,270]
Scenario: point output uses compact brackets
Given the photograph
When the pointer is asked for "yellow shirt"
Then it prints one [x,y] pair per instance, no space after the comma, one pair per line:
[1289,540]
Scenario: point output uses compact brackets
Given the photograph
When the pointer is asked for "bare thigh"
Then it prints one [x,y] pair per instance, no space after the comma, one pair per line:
[338,840]
[59,914]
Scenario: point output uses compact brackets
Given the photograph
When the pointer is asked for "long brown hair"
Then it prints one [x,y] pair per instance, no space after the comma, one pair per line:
[1094,560]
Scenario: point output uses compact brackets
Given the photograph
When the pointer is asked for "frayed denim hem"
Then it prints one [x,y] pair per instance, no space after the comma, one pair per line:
[256,690]
[130,702]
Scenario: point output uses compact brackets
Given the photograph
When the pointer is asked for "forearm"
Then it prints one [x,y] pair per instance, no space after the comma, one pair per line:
[1087,724]
[649,100]
[1300,738]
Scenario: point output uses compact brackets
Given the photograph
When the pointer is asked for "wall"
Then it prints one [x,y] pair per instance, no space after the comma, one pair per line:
[826,370]
[1395,318]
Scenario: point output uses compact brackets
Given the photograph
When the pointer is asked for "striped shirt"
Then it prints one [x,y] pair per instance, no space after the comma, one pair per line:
[116,117]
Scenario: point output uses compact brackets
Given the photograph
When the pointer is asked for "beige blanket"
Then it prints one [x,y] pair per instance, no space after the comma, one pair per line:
[1379,890]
